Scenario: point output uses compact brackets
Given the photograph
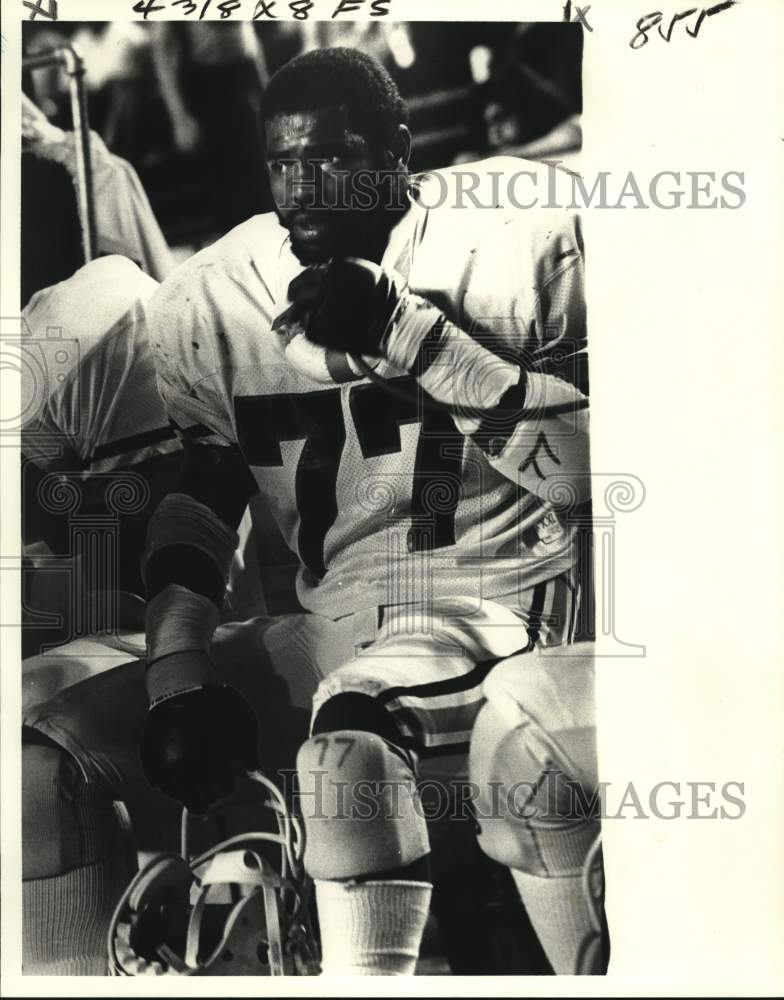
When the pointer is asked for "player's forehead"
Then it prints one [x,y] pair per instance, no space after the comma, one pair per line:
[293,133]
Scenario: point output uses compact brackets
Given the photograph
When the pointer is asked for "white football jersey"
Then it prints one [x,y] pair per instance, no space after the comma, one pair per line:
[89,376]
[93,404]
[385,501]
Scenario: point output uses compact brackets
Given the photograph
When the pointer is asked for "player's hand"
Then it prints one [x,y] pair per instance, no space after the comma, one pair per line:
[195,744]
[346,304]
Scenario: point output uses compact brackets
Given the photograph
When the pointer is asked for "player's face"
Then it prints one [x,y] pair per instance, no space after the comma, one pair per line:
[328,185]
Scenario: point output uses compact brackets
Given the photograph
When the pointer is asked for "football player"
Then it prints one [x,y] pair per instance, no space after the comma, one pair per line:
[396,364]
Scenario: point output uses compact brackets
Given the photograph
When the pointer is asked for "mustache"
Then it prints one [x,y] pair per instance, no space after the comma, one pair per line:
[310,217]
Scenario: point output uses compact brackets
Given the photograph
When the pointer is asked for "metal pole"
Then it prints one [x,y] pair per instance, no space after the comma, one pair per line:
[74,67]
[67,57]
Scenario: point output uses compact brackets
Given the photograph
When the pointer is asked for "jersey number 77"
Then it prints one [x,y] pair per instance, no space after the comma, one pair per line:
[263,422]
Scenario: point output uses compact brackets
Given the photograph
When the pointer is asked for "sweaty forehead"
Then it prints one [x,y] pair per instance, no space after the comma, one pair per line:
[293,131]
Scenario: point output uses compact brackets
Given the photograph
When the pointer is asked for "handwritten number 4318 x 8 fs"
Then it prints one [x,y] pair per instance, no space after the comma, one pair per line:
[654,20]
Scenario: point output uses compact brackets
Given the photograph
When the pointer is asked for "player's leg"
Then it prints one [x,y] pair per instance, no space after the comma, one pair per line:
[533,759]
[415,691]
[277,664]
[367,845]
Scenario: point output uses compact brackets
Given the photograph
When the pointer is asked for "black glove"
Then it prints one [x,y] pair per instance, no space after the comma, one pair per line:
[194,745]
[346,304]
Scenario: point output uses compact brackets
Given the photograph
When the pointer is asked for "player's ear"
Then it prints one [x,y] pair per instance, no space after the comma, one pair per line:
[399,151]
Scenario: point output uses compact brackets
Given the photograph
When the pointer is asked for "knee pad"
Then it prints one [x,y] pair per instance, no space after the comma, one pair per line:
[533,761]
[360,806]
[66,822]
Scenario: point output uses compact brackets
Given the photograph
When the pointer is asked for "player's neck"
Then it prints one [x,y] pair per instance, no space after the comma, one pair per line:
[379,240]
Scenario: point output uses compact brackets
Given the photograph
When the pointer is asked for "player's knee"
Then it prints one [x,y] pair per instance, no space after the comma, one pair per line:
[66,822]
[360,805]
[537,807]
[351,710]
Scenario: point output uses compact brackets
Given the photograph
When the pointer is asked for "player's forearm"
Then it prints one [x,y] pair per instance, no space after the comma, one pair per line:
[193,533]
[533,427]
[531,424]
[538,436]
[186,565]
[450,366]
[191,543]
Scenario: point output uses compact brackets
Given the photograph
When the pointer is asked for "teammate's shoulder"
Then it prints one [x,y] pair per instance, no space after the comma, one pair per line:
[92,300]
[114,266]
[112,276]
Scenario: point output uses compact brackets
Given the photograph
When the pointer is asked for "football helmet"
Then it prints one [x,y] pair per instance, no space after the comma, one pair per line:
[231,911]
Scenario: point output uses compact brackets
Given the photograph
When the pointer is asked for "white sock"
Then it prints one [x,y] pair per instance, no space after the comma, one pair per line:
[561,918]
[371,928]
[77,858]
[66,918]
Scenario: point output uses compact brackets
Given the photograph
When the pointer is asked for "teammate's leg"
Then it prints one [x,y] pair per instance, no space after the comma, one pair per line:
[533,759]
[79,757]
[78,856]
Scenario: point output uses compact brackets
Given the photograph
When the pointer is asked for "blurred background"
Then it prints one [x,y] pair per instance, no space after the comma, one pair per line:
[179,101]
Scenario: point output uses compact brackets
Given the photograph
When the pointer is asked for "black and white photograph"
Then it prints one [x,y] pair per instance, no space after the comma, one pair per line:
[339,615]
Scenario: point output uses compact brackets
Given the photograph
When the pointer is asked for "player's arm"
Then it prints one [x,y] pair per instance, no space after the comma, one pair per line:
[537,433]
[199,732]
[531,422]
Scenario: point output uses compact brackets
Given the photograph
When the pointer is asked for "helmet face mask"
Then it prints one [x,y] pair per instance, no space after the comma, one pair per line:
[232,911]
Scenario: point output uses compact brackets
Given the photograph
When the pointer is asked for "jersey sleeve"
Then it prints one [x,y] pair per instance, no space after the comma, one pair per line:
[527,293]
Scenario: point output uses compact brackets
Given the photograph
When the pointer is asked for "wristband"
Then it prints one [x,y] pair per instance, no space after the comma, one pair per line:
[182,520]
[180,626]
[178,674]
